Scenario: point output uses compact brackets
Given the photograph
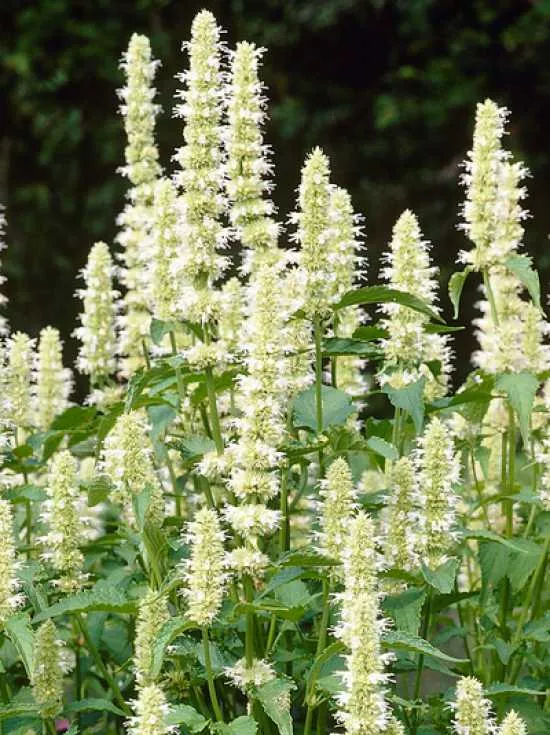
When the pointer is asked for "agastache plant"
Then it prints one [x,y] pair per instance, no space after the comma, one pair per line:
[276,510]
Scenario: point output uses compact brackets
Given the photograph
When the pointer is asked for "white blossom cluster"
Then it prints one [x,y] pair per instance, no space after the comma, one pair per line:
[409,347]
[10,596]
[53,382]
[142,170]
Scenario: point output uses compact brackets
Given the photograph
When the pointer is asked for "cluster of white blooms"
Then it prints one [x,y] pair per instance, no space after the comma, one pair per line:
[483,173]
[152,614]
[4,327]
[201,173]
[151,709]
[63,514]
[409,348]
[297,335]
[244,677]
[251,212]
[165,245]
[313,234]
[438,472]
[54,383]
[512,725]
[261,391]
[142,169]
[232,305]
[127,458]
[246,560]
[49,665]
[252,521]
[472,710]
[10,597]
[336,508]
[362,705]
[97,335]
[17,380]
[516,343]
[203,573]
[402,521]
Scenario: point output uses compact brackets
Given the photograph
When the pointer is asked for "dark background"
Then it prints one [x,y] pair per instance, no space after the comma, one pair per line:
[387,87]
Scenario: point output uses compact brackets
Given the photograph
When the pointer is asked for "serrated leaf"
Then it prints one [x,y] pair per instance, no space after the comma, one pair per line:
[22,493]
[370,333]
[414,644]
[159,329]
[106,599]
[520,389]
[522,267]
[193,447]
[141,503]
[337,406]
[74,417]
[382,447]
[334,346]
[405,608]
[243,725]
[484,535]
[385,295]
[95,705]
[442,578]
[160,417]
[275,699]
[334,649]
[500,688]
[493,561]
[523,563]
[184,714]
[98,489]
[169,631]
[456,284]
[20,633]
[411,399]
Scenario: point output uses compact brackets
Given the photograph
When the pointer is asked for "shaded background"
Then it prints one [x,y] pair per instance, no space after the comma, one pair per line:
[387,87]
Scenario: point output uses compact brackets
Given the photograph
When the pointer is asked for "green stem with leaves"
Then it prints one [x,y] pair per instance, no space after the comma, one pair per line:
[321,645]
[210,676]
[318,335]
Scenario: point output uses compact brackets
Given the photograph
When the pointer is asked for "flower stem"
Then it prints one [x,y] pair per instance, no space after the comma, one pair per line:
[181,387]
[284,536]
[213,408]
[490,296]
[321,644]
[210,676]
[420,665]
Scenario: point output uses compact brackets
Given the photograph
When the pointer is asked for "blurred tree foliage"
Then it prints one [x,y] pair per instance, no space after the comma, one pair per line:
[387,87]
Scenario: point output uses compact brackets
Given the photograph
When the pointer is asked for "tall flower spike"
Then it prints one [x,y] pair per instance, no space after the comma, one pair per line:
[313,233]
[338,504]
[152,614]
[261,390]
[201,173]
[47,672]
[54,383]
[203,573]
[4,327]
[481,181]
[362,705]
[248,166]
[10,598]
[472,709]
[96,356]
[165,245]
[63,515]
[401,543]
[232,300]
[512,725]
[142,169]
[439,470]
[127,458]
[408,349]
[18,377]
[151,709]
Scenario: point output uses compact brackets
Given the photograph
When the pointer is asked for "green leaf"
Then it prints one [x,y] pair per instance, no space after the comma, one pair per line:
[337,406]
[382,447]
[333,346]
[96,705]
[184,714]
[405,608]
[411,399]
[334,649]
[384,295]
[442,578]
[370,333]
[170,630]
[500,688]
[98,489]
[441,329]
[194,447]
[160,417]
[456,284]
[504,650]
[22,493]
[522,267]
[520,389]
[523,563]
[484,535]
[141,503]
[20,633]
[414,644]
[493,561]
[243,725]
[275,699]
[160,329]
[74,417]
[101,598]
